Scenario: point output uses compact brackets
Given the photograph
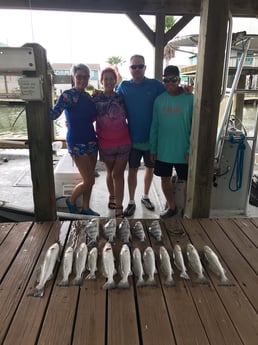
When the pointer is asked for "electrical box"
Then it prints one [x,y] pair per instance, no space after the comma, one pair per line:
[17,59]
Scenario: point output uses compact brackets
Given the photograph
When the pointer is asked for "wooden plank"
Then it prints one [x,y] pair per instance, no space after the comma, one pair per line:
[90,320]
[180,304]
[5,228]
[254,221]
[248,228]
[244,266]
[239,308]
[154,319]
[15,283]
[62,305]
[11,245]
[121,311]
[218,324]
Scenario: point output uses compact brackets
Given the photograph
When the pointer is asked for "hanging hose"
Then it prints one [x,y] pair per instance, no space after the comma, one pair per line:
[237,172]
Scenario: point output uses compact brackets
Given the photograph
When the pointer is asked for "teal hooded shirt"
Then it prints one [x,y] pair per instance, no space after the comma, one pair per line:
[171,127]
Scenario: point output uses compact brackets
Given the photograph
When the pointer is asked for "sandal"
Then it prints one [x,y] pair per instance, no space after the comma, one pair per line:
[119,212]
[112,203]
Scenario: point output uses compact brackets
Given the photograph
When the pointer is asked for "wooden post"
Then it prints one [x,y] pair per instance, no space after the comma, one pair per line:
[40,142]
[159,45]
[211,52]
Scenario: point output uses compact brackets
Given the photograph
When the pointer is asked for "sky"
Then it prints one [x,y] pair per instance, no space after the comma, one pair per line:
[74,37]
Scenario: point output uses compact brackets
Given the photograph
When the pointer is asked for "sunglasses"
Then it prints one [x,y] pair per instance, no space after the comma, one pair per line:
[137,66]
[172,79]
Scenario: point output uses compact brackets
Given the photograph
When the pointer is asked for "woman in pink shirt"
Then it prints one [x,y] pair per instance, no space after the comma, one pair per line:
[113,137]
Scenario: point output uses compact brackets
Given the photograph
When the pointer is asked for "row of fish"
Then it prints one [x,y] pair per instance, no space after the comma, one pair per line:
[123,230]
[139,264]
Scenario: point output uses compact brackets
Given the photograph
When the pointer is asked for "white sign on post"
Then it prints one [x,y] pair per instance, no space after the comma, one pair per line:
[31,88]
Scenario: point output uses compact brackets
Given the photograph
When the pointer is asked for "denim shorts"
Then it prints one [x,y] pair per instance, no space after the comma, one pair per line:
[113,153]
[164,169]
[135,159]
[83,149]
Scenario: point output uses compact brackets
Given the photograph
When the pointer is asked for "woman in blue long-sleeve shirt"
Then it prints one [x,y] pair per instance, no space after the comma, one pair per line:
[80,113]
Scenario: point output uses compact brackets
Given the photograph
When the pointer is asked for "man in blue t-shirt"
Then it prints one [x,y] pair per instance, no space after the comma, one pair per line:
[139,95]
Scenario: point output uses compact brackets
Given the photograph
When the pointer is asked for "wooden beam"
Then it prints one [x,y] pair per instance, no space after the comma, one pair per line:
[213,28]
[39,139]
[247,8]
[159,45]
[143,27]
[177,27]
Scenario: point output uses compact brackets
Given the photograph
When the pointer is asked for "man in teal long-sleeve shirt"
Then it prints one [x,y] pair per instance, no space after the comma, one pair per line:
[170,135]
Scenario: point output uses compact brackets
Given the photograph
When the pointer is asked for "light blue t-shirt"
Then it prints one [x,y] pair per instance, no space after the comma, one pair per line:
[171,127]
[139,99]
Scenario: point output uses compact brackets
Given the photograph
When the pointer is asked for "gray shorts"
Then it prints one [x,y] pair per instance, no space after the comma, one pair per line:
[136,156]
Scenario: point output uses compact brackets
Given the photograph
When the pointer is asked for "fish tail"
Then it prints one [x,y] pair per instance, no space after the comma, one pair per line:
[77,281]
[91,276]
[123,284]
[109,285]
[184,275]
[37,292]
[170,282]
[151,282]
[92,243]
[202,280]
[140,282]
[226,282]
[63,282]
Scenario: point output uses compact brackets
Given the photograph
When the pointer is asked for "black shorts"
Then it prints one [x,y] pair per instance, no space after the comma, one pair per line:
[136,156]
[164,169]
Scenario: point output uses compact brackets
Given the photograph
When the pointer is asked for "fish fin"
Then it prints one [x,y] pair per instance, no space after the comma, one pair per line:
[108,286]
[123,285]
[184,275]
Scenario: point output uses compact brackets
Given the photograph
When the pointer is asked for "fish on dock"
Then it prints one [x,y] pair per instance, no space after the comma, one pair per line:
[80,263]
[155,230]
[195,264]
[109,229]
[179,261]
[124,232]
[108,263]
[149,266]
[47,268]
[166,267]
[92,263]
[124,267]
[138,231]
[216,266]
[92,231]
[67,266]
[137,267]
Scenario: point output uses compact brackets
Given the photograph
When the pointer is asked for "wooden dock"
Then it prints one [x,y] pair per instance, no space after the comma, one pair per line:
[186,314]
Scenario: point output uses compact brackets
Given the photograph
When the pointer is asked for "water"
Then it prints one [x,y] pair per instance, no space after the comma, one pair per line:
[13,124]
[13,121]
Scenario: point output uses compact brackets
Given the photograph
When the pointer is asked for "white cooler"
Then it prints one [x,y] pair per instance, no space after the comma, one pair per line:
[67,177]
